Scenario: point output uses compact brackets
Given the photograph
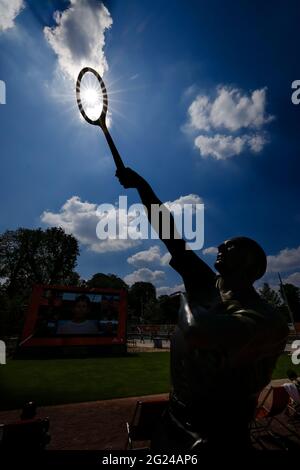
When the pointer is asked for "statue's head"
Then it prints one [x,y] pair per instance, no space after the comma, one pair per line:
[241,258]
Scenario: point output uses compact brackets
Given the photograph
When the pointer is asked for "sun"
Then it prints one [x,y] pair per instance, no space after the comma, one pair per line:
[92,100]
[91,96]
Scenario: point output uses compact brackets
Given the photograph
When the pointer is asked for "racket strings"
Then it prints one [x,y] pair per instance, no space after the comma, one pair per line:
[92,99]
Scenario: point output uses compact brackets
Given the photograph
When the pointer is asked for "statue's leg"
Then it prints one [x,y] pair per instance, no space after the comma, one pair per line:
[172,437]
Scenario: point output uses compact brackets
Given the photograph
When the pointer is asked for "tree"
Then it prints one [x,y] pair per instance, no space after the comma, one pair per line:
[169,306]
[152,313]
[140,295]
[108,281]
[74,279]
[270,296]
[292,294]
[36,256]
[30,257]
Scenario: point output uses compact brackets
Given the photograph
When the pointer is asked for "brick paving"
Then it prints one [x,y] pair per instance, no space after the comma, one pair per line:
[86,426]
[102,424]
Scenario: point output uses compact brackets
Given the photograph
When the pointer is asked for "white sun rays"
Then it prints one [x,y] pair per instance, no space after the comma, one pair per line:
[91,96]
[63,90]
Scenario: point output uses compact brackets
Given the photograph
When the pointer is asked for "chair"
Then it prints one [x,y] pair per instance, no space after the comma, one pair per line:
[293,413]
[144,421]
[280,402]
[28,435]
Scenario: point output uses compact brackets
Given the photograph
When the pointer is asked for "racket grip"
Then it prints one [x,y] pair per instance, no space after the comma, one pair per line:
[116,156]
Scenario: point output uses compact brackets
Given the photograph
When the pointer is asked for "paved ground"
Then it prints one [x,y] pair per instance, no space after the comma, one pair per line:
[148,345]
[86,426]
[95,425]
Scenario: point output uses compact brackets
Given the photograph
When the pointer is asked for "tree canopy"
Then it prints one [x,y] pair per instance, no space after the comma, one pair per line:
[107,281]
[291,294]
[270,296]
[32,256]
[29,256]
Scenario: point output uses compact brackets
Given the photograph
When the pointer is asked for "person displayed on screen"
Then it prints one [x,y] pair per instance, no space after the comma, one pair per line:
[79,324]
[109,312]
[108,329]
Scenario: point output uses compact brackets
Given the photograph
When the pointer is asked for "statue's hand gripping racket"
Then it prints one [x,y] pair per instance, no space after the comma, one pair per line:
[90,96]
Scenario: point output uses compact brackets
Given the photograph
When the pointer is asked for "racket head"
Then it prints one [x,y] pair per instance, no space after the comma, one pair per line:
[100,121]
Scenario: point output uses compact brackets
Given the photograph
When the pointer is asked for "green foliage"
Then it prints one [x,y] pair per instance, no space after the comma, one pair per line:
[292,294]
[30,257]
[36,257]
[146,308]
[107,281]
[169,306]
[141,300]
[270,296]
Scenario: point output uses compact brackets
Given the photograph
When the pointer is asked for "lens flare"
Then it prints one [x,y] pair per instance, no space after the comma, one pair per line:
[92,101]
[90,96]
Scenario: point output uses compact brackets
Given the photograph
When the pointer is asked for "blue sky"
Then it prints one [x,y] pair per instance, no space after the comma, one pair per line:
[200,97]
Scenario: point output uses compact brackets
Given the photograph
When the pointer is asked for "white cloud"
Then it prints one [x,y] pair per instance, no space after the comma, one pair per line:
[184,200]
[151,256]
[199,113]
[212,250]
[165,259]
[292,279]
[222,147]
[142,258]
[233,110]
[145,275]
[219,146]
[166,290]
[257,142]
[286,260]
[80,219]
[154,255]
[268,278]
[79,37]
[190,91]
[9,10]
[230,111]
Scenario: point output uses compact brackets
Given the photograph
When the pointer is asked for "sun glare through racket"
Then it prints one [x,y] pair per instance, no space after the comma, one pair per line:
[91,96]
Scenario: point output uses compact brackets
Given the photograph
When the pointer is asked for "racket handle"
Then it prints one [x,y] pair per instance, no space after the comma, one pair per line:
[116,156]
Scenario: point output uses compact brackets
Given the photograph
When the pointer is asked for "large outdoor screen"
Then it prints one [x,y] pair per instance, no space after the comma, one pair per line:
[77,314]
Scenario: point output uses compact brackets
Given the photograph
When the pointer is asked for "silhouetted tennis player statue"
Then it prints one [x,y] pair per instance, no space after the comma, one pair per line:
[225,346]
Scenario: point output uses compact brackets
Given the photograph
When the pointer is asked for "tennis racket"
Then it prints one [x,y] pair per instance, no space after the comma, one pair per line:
[92,100]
